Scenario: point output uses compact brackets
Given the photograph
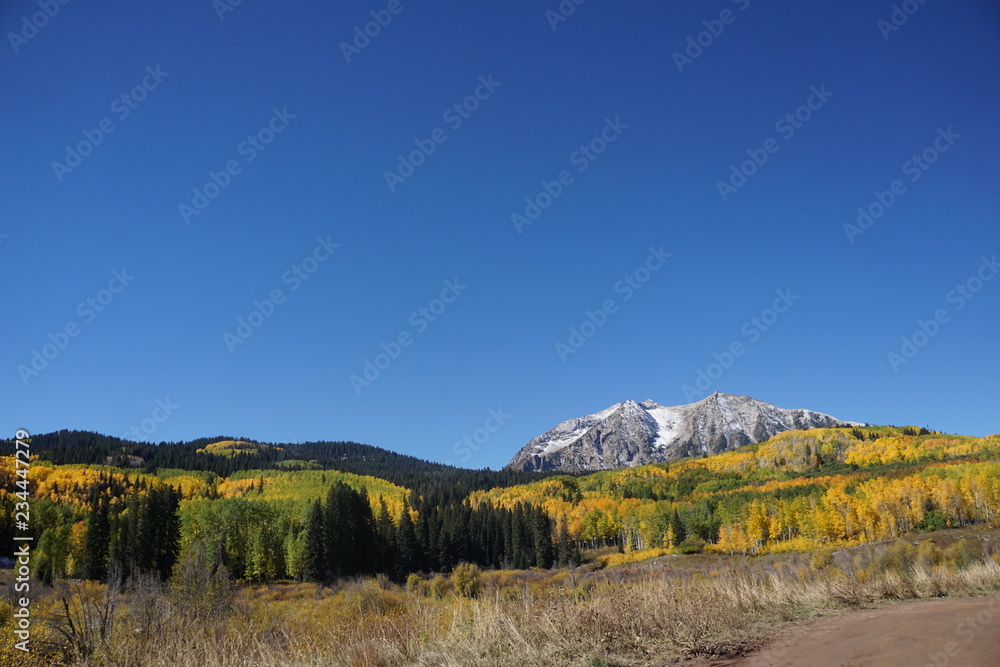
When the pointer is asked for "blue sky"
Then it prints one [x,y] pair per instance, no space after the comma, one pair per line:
[641,138]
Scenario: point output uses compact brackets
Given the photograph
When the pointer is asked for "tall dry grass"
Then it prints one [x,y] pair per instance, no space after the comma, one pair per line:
[641,615]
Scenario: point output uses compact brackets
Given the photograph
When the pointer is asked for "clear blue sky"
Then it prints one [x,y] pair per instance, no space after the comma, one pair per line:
[212,83]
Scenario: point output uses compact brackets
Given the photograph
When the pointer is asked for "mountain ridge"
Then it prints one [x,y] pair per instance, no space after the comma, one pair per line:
[65,446]
[628,434]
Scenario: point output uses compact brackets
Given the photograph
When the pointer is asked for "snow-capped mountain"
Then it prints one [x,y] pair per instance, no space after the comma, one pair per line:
[633,434]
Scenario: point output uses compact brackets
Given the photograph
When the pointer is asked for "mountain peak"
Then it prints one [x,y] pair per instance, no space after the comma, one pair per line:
[631,434]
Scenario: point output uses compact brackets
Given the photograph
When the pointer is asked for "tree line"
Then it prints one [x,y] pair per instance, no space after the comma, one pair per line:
[122,525]
[84,447]
[344,537]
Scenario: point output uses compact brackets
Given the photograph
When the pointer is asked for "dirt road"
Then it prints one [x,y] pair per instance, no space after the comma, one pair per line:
[962,632]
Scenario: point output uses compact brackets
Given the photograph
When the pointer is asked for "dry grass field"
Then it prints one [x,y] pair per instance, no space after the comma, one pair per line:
[666,610]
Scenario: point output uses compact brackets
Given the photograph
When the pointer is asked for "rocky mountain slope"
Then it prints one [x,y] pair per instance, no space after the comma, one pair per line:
[633,434]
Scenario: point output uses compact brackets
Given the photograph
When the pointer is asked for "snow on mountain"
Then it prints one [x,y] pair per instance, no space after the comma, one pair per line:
[631,434]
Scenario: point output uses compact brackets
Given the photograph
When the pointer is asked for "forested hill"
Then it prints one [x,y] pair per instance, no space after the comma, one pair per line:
[103,507]
[226,455]
[798,491]
[321,511]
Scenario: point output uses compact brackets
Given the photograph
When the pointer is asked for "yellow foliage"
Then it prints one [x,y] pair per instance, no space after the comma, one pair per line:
[188,486]
[911,448]
[300,487]
[632,557]
[230,448]
[786,511]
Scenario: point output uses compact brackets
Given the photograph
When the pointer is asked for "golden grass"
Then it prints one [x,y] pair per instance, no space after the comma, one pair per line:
[636,556]
[649,614]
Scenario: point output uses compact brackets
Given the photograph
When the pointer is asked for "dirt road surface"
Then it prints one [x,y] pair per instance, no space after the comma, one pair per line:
[963,632]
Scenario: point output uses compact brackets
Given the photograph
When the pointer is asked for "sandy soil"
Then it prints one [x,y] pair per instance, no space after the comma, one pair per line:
[963,632]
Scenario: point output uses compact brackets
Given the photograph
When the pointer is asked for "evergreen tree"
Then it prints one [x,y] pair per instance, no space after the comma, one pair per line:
[385,547]
[315,556]
[564,548]
[95,550]
[519,538]
[124,531]
[337,542]
[362,525]
[407,545]
[680,532]
[541,530]
[166,536]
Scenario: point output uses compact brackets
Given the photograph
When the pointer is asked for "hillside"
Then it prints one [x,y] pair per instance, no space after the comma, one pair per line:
[284,511]
[226,455]
[102,506]
[798,490]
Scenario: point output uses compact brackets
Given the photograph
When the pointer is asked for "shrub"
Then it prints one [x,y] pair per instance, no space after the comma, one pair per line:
[821,559]
[465,578]
[691,545]
[963,553]
[928,554]
[368,598]
[934,520]
[198,588]
[439,587]
[899,557]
